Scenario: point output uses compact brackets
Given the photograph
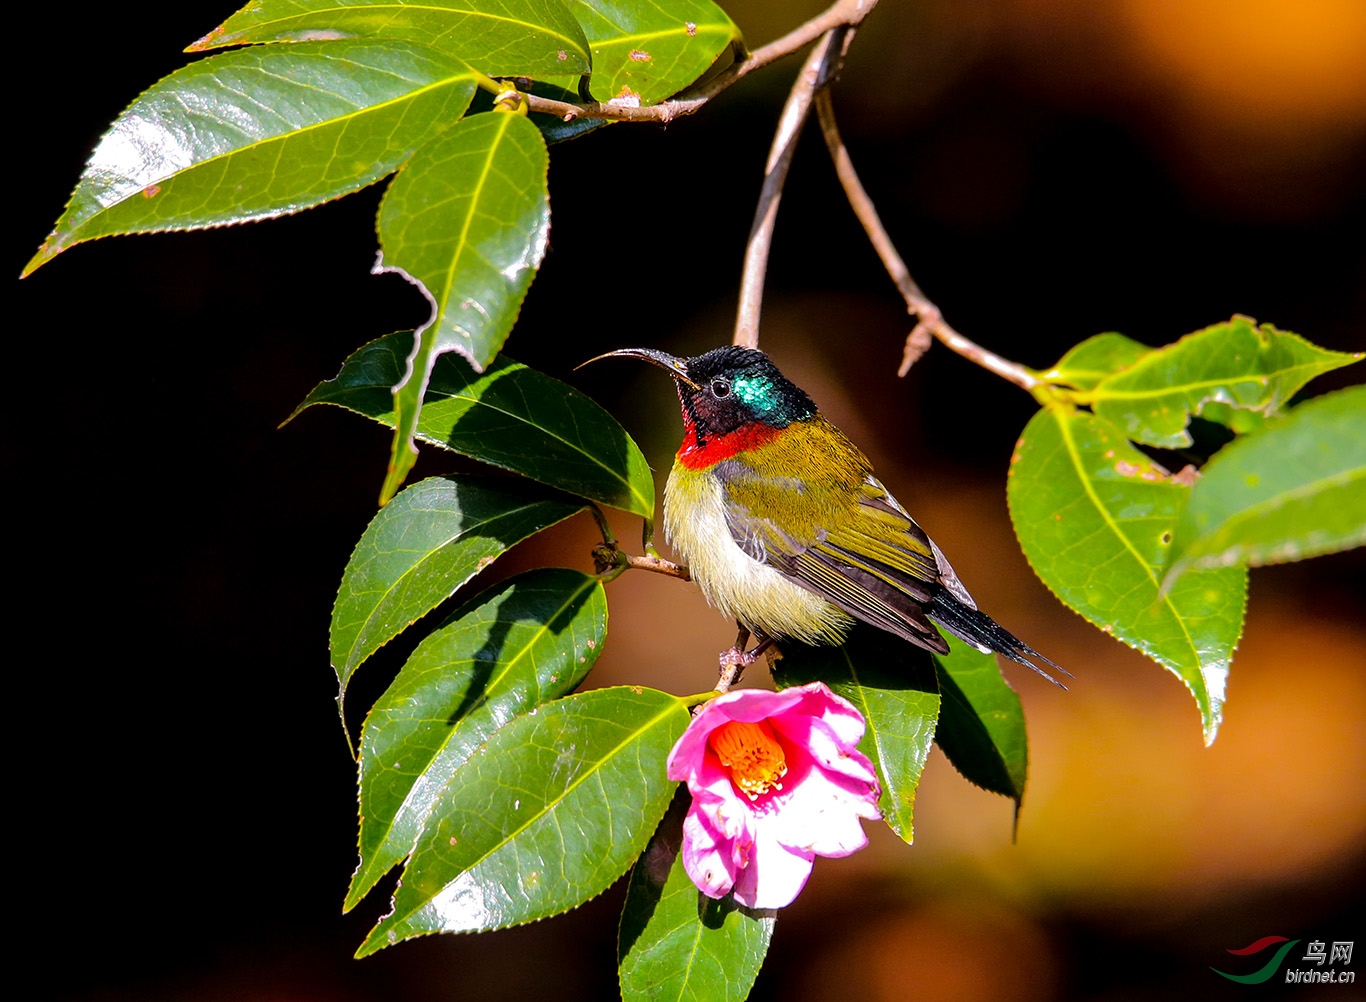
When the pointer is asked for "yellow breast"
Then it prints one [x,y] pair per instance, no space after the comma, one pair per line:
[734,582]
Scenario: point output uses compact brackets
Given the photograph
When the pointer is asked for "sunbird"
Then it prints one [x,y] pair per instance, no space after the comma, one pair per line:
[785,527]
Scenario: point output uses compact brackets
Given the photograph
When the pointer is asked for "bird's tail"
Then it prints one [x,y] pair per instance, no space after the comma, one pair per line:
[984,633]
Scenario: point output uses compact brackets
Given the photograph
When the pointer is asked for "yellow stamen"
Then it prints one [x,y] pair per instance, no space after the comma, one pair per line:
[752,754]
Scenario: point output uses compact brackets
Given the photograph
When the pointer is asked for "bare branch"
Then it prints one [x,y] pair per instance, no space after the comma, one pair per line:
[842,13]
[815,74]
[1012,371]
[929,319]
[659,565]
[608,558]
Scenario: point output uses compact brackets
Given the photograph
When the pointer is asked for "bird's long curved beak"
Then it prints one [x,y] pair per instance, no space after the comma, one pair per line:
[672,364]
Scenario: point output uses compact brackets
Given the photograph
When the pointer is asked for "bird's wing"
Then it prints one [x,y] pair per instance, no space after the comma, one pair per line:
[836,531]
[879,497]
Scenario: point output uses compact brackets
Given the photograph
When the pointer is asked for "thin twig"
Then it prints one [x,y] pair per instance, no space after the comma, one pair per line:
[608,536]
[815,74]
[607,557]
[659,566]
[930,321]
[842,13]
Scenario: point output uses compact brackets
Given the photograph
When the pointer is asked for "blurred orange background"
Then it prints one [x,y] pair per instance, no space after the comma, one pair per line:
[1049,168]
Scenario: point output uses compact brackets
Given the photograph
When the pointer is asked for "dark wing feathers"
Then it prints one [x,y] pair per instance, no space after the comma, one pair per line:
[846,538]
[863,594]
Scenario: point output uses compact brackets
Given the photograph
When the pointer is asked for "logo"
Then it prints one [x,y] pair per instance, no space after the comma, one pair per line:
[1318,952]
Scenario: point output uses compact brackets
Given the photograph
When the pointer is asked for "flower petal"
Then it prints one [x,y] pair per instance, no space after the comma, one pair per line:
[708,855]
[823,820]
[822,744]
[763,848]
[746,705]
[837,713]
[775,875]
[817,701]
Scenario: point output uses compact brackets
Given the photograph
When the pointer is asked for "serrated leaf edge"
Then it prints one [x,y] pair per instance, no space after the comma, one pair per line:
[509,836]
[645,510]
[350,667]
[1210,714]
[217,38]
[355,896]
[42,256]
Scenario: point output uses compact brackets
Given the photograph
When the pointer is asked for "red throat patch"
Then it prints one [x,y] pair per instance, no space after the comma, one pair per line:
[751,436]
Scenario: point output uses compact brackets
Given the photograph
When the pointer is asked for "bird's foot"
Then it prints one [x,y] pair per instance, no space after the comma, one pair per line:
[737,657]
[733,663]
[735,660]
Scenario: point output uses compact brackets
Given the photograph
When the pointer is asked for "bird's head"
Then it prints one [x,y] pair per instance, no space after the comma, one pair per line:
[728,389]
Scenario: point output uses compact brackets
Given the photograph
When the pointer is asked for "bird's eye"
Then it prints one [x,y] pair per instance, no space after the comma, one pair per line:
[720,389]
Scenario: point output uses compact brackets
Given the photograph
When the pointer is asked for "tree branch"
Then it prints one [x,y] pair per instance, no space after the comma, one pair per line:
[659,565]
[609,558]
[930,321]
[815,74]
[844,13]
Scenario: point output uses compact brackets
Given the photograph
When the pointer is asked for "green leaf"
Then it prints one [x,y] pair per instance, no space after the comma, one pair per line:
[261,132]
[553,808]
[498,37]
[1295,490]
[1236,419]
[1235,363]
[893,685]
[466,221]
[1095,518]
[644,51]
[524,642]
[1094,359]
[677,943]
[417,551]
[981,723]
[511,416]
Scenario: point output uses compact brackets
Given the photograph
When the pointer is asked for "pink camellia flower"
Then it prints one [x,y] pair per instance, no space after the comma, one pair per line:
[776,780]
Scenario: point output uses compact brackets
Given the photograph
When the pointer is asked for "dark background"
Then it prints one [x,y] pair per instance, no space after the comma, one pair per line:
[183,818]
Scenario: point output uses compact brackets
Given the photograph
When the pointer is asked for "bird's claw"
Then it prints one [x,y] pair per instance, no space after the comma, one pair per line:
[733,665]
[737,657]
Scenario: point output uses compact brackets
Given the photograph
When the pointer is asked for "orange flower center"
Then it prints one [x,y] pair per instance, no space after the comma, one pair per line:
[751,754]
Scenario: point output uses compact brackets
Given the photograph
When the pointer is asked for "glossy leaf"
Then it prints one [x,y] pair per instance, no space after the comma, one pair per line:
[675,942]
[1094,359]
[257,133]
[1095,518]
[647,50]
[498,37]
[509,415]
[893,685]
[981,723]
[417,551]
[1236,419]
[522,643]
[555,806]
[467,221]
[1235,363]
[1295,490]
